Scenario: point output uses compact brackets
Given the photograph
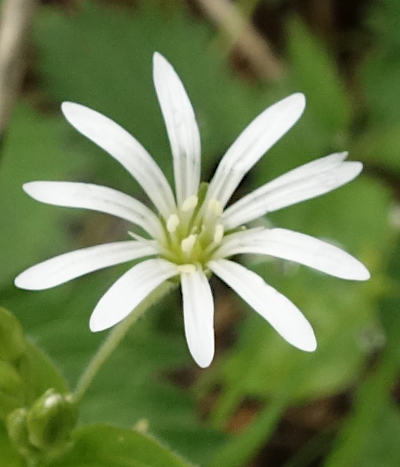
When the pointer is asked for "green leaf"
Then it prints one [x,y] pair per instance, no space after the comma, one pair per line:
[39,374]
[108,446]
[33,150]
[373,398]
[380,146]
[361,425]
[8,455]
[382,446]
[316,74]
[380,71]
[12,340]
[26,378]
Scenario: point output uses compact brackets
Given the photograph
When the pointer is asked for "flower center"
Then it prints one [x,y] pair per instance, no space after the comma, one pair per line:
[194,232]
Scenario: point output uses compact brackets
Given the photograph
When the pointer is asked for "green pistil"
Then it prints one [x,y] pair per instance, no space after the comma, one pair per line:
[194,231]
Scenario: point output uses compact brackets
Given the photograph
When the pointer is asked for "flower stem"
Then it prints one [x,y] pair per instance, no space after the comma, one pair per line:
[115,337]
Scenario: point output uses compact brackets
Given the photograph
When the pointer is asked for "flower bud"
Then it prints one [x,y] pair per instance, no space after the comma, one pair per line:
[12,341]
[51,419]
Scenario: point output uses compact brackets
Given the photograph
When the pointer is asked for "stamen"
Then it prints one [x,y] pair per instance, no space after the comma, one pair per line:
[187,243]
[190,203]
[215,207]
[186,268]
[218,233]
[172,223]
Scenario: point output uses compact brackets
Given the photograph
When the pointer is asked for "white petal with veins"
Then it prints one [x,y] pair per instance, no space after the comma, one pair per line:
[262,133]
[129,291]
[198,314]
[182,128]
[125,149]
[68,266]
[96,198]
[289,189]
[280,312]
[295,246]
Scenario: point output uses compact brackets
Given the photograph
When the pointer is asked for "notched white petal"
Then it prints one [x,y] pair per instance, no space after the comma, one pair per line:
[183,132]
[68,266]
[306,182]
[311,168]
[125,149]
[297,247]
[129,291]
[198,313]
[282,314]
[97,198]
[262,133]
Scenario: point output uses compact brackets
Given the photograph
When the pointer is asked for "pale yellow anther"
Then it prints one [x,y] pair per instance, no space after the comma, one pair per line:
[172,223]
[190,203]
[187,243]
[218,233]
[215,207]
[186,268]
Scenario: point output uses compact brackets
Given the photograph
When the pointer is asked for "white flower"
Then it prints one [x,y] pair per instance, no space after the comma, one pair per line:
[193,233]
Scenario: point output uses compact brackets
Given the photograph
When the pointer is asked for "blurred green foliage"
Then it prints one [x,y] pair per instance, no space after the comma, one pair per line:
[380,82]
[102,445]
[100,55]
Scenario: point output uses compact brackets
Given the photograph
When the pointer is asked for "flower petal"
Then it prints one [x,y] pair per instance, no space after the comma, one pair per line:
[282,314]
[125,149]
[252,143]
[295,246]
[313,167]
[68,266]
[297,185]
[96,198]
[183,132]
[198,314]
[129,291]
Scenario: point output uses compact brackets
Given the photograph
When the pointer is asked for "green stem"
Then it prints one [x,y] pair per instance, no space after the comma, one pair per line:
[115,337]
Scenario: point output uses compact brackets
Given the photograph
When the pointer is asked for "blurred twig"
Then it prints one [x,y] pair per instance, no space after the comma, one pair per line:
[15,20]
[244,36]
[323,16]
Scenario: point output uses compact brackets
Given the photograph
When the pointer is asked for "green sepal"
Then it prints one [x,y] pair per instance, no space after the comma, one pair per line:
[18,432]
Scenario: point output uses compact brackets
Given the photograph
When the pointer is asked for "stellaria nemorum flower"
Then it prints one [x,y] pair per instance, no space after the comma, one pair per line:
[193,233]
